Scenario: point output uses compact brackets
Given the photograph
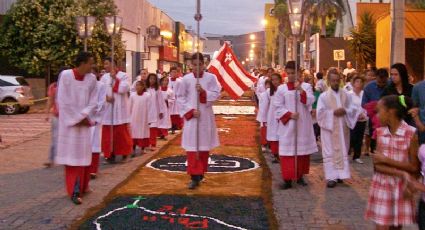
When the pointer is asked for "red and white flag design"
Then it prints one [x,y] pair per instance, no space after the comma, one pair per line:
[234,79]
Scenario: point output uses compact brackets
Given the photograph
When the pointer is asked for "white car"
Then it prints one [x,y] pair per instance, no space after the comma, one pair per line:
[16,93]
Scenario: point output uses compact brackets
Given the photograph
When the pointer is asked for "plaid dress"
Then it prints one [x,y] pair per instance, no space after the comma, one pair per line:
[386,205]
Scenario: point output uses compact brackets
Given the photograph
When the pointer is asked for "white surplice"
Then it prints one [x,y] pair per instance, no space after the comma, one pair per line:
[168,98]
[187,100]
[263,108]
[96,130]
[157,105]
[174,86]
[76,101]
[284,100]
[120,107]
[261,85]
[141,115]
[327,120]
[272,122]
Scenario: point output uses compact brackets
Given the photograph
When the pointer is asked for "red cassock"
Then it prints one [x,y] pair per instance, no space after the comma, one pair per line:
[287,164]
[152,136]
[122,140]
[274,147]
[263,135]
[197,167]
[142,143]
[94,167]
[74,173]
[177,121]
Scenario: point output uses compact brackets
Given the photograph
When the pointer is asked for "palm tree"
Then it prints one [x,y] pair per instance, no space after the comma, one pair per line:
[363,42]
[281,13]
[328,9]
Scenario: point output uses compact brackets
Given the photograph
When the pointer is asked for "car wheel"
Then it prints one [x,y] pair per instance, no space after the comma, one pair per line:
[24,109]
[12,108]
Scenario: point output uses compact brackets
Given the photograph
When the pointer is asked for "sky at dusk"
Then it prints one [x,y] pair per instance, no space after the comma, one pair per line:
[227,17]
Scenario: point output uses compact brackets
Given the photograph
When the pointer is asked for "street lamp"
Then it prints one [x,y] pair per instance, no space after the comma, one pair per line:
[296,19]
[264,22]
[85,26]
[252,36]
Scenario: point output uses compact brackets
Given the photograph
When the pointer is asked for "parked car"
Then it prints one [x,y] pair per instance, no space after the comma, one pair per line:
[16,91]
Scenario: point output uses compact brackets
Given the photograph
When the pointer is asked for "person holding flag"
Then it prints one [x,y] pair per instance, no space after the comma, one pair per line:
[293,102]
[196,144]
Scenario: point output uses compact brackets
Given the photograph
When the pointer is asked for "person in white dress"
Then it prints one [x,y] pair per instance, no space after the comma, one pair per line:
[157,106]
[272,122]
[197,147]
[96,131]
[141,116]
[77,102]
[297,142]
[173,107]
[142,77]
[336,115]
[168,97]
[262,116]
[117,117]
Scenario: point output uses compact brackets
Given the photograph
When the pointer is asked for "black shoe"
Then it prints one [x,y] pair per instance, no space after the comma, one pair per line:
[301,182]
[340,181]
[110,160]
[275,160]
[286,185]
[133,155]
[331,184]
[76,199]
[193,184]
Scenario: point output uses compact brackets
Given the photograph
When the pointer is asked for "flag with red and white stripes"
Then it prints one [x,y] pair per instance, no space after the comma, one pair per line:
[234,79]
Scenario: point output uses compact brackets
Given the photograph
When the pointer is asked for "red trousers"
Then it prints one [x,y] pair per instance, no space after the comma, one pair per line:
[196,167]
[153,134]
[94,167]
[163,132]
[263,135]
[177,121]
[123,144]
[287,166]
[142,143]
[74,174]
[274,147]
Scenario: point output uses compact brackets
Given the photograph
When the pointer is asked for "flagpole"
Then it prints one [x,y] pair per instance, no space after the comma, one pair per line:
[296,110]
[198,18]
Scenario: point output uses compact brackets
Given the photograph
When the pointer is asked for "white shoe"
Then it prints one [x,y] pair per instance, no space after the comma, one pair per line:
[358,160]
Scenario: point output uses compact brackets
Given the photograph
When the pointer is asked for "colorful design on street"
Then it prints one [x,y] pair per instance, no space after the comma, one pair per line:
[216,164]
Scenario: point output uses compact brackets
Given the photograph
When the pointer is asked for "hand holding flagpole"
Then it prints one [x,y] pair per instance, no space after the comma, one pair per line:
[198,18]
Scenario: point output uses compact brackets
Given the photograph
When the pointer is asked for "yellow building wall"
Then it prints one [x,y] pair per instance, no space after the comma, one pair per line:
[383,42]
[271,29]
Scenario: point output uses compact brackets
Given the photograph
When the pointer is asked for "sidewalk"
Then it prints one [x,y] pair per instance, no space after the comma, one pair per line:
[32,197]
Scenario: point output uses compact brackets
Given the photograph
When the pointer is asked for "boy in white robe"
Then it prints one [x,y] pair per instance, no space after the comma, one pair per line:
[168,98]
[336,115]
[116,117]
[158,107]
[173,84]
[293,103]
[77,101]
[96,131]
[141,116]
[208,90]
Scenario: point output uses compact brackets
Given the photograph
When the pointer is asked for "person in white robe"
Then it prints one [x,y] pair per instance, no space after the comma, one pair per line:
[158,107]
[115,129]
[336,115]
[273,123]
[141,77]
[197,147]
[96,130]
[297,142]
[263,108]
[76,101]
[173,107]
[141,116]
[168,97]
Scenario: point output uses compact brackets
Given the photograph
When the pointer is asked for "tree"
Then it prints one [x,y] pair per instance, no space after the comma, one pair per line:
[41,33]
[332,9]
[363,42]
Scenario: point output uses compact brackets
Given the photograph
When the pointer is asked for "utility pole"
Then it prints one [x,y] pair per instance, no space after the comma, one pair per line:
[398,46]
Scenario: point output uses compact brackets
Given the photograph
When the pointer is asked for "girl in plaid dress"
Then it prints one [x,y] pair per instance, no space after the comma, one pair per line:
[396,157]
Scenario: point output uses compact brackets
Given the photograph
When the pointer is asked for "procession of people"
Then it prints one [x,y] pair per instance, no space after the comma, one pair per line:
[299,113]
